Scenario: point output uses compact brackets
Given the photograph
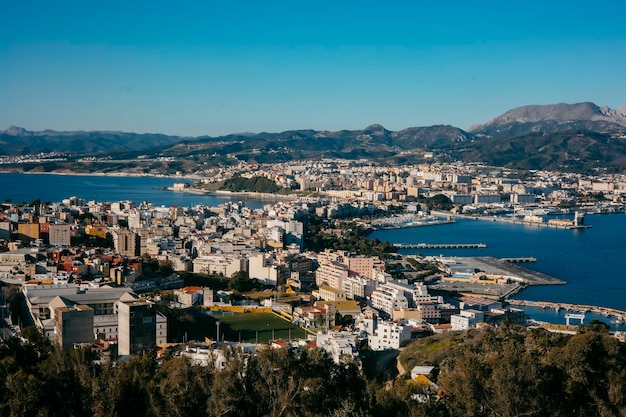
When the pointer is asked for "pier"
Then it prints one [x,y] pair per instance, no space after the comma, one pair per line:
[439,245]
[529,259]
[618,315]
[516,220]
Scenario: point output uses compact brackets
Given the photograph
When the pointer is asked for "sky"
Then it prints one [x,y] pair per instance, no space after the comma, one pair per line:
[195,68]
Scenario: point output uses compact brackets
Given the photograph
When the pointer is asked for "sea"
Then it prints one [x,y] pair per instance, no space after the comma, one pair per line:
[18,188]
[592,261]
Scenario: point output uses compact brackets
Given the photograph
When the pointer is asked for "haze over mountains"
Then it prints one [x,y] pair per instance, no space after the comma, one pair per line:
[574,137]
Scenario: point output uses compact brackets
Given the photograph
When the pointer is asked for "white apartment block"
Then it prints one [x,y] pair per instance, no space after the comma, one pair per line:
[260,267]
[415,294]
[466,319]
[226,265]
[381,276]
[389,335]
[358,287]
[387,299]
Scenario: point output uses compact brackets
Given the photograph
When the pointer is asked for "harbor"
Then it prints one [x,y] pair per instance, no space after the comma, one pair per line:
[578,222]
[567,316]
[501,279]
[409,220]
[439,245]
[616,316]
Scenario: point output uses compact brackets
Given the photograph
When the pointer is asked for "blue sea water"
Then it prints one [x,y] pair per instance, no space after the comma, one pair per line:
[591,261]
[47,187]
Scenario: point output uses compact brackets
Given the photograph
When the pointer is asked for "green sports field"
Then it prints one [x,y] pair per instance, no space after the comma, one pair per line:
[256,327]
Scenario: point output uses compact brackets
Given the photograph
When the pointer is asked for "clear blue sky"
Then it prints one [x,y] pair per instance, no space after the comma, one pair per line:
[206,67]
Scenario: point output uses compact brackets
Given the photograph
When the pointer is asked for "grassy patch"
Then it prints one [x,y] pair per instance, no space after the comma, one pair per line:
[253,327]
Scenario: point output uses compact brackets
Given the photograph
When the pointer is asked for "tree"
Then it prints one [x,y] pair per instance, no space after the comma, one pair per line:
[180,389]
[240,282]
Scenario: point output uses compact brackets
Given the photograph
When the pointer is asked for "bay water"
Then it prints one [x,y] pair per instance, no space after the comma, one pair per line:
[108,188]
[591,261]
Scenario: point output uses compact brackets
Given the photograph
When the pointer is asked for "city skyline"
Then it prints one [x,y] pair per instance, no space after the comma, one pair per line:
[216,68]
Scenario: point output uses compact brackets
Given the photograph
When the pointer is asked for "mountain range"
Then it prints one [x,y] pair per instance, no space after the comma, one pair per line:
[580,137]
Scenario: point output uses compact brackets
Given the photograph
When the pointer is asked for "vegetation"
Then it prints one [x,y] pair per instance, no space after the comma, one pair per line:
[511,372]
[439,202]
[346,236]
[255,184]
[508,371]
[570,151]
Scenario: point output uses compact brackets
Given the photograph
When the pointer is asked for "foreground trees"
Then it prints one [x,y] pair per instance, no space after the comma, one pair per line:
[514,372]
[490,372]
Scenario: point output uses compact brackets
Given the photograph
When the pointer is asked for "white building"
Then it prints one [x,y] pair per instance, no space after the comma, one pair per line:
[415,294]
[389,335]
[338,344]
[225,265]
[387,299]
[466,319]
[261,267]
[358,287]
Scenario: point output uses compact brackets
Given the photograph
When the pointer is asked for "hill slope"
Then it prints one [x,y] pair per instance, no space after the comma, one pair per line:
[554,118]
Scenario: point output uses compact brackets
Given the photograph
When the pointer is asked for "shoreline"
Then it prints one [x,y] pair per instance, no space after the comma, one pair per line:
[582,308]
[102,174]
[224,193]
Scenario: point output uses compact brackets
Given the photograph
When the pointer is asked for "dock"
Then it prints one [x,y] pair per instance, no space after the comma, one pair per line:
[512,220]
[517,260]
[497,266]
[439,245]
[608,312]
[518,277]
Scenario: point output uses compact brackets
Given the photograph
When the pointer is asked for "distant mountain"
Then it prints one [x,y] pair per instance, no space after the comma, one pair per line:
[580,137]
[19,141]
[554,118]
[374,141]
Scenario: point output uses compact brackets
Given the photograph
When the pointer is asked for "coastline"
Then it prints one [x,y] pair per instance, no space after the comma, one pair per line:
[102,174]
[225,193]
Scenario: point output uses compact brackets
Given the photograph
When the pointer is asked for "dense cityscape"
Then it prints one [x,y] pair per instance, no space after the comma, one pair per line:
[213,285]
[312,209]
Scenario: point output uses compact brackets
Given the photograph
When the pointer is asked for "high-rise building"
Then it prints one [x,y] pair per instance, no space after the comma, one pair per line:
[126,242]
[136,325]
[59,234]
[73,323]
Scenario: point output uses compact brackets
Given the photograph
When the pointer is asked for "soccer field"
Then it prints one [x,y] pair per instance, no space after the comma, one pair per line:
[256,327]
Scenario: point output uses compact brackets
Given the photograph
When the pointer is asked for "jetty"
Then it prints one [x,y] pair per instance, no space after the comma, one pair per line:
[531,221]
[439,245]
[529,259]
[619,315]
[498,266]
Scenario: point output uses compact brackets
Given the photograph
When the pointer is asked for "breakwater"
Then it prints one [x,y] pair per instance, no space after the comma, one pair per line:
[439,245]
[617,316]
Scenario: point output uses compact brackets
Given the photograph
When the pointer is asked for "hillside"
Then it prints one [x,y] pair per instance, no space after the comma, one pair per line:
[19,141]
[579,137]
[554,118]
[569,151]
